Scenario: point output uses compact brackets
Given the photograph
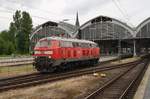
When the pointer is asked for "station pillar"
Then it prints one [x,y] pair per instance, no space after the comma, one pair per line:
[134,47]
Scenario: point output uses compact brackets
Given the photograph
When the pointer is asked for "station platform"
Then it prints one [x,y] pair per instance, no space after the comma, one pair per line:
[107,58]
[143,91]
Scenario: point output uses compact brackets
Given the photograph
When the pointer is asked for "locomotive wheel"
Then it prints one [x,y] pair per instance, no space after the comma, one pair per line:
[48,70]
[44,65]
[95,61]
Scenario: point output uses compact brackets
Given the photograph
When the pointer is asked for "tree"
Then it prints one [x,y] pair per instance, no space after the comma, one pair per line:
[26,29]
[20,29]
[5,35]
[15,27]
[17,38]
[12,32]
[10,48]
[17,20]
[1,46]
[6,46]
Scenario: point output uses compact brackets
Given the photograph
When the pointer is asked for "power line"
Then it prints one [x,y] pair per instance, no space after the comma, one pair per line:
[35,16]
[48,12]
[119,8]
[5,11]
[4,17]
[124,10]
[126,16]
[11,10]
[39,17]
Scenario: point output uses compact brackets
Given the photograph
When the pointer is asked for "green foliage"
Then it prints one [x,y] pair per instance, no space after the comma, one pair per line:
[12,32]
[26,30]
[6,46]
[23,31]
[1,45]
[10,48]
[16,40]
[5,35]
[17,19]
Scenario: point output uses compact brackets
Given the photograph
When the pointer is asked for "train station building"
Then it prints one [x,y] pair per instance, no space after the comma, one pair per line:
[109,33]
[51,28]
[112,35]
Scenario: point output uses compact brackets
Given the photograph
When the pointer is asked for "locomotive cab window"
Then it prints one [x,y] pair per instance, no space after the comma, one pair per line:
[75,44]
[66,44]
[43,43]
[84,45]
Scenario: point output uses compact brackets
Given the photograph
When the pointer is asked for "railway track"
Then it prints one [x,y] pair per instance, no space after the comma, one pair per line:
[120,86]
[36,78]
[16,61]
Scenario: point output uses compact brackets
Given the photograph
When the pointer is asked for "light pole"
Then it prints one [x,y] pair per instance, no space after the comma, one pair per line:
[119,49]
[134,47]
[92,37]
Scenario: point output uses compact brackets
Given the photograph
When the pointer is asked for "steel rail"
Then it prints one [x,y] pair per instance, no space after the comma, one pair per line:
[23,82]
[109,84]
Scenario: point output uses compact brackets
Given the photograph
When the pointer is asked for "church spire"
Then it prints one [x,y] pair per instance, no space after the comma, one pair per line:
[77,21]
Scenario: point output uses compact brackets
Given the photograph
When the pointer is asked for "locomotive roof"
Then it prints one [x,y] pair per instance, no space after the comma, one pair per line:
[68,39]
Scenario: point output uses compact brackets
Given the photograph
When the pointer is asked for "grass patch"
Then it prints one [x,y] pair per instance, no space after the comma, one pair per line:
[17,69]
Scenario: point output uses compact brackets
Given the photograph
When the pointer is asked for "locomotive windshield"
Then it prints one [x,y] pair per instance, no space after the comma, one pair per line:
[44,43]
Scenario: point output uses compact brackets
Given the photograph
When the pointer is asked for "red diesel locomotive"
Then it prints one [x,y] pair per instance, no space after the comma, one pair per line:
[55,52]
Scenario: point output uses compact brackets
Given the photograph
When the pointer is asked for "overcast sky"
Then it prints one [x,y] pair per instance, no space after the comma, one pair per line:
[131,12]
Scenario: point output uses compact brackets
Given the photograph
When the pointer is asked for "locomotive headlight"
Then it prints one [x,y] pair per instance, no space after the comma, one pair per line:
[48,52]
[37,52]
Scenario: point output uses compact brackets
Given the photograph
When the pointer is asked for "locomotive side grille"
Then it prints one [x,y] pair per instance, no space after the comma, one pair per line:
[42,59]
[43,63]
